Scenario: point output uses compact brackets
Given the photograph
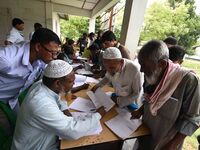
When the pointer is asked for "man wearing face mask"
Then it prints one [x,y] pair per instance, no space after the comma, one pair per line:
[124,76]
[41,119]
[171,106]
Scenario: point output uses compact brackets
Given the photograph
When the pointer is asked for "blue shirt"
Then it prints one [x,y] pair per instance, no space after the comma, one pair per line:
[16,72]
[41,120]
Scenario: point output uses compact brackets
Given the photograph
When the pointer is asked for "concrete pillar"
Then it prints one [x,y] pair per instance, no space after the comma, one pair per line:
[49,15]
[56,23]
[92,25]
[132,23]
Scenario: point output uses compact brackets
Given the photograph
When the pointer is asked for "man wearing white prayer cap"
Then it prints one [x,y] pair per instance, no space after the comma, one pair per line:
[41,120]
[124,76]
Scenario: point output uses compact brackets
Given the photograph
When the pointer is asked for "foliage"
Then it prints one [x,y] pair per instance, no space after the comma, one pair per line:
[97,24]
[193,65]
[118,23]
[74,27]
[176,18]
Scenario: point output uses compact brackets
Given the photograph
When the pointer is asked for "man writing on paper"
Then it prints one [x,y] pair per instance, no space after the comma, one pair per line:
[124,76]
[172,99]
[20,66]
[41,119]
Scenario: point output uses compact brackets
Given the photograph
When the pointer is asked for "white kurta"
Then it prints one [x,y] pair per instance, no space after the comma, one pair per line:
[126,83]
[15,36]
[41,120]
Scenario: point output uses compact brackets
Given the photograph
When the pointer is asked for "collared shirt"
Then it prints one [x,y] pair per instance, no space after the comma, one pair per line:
[40,121]
[126,83]
[16,72]
[31,34]
[15,36]
[67,59]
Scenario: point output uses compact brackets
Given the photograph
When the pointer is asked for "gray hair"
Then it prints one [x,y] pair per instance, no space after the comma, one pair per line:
[154,50]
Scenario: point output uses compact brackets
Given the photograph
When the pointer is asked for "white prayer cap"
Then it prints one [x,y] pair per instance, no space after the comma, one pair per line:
[57,69]
[112,53]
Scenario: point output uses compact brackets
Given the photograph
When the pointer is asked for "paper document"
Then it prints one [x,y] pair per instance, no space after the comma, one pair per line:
[81,58]
[91,80]
[76,65]
[83,116]
[122,125]
[82,104]
[99,98]
[79,80]
[84,72]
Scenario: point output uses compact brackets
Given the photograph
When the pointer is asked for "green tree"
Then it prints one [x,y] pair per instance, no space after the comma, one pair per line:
[172,19]
[74,27]
[97,24]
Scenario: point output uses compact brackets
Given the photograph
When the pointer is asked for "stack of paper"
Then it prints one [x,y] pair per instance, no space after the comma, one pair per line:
[123,121]
[82,104]
[91,80]
[99,98]
[84,72]
[84,116]
[79,80]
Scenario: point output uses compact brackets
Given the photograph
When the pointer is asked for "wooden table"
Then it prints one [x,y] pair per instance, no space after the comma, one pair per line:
[107,140]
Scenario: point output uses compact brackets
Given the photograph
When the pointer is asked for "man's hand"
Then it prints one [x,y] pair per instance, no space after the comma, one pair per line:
[73,96]
[85,86]
[136,114]
[7,42]
[101,111]
[78,88]
[114,98]
[94,88]
[78,67]
[67,112]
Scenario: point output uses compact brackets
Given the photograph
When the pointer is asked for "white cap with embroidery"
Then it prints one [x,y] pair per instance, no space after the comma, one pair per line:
[57,69]
[112,53]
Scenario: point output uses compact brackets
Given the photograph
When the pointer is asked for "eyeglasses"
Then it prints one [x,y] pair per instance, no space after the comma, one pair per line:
[54,53]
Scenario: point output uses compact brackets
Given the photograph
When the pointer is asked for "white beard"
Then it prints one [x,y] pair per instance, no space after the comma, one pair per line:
[153,79]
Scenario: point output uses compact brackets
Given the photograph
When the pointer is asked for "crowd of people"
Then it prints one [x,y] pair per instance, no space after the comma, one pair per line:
[160,91]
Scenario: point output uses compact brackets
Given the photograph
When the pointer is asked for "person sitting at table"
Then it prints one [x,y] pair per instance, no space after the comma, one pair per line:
[124,76]
[171,108]
[20,66]
[68,54]
[41,120]
[96,57]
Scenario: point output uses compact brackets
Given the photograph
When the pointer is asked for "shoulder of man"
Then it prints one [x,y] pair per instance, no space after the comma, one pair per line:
[131,65]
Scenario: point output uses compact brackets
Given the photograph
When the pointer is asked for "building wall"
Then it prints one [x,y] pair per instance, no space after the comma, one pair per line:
[30,11]
[56,23]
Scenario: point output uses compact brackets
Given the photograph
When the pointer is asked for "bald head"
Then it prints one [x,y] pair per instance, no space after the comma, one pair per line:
[154,50]
[153,58]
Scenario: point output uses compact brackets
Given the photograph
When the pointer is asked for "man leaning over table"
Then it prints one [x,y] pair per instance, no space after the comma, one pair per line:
[20,65]
[124,77]
[171,107]
[41,120]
